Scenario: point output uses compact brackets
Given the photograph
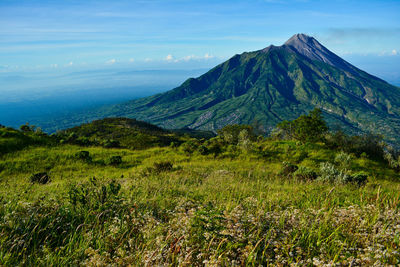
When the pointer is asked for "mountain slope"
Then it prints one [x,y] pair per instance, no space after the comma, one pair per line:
[271,85]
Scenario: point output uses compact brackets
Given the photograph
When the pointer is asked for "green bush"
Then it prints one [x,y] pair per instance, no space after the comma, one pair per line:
[115,160]
[162,166]
[93,195]
[288,169]
[111,143]
[329,173]
[305,174]
[83,155]
[189,147]
[343,160]
[306,128]
[235,134]
[359,178]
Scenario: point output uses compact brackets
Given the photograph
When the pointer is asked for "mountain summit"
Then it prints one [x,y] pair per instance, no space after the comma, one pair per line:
[312,49]
[274,84]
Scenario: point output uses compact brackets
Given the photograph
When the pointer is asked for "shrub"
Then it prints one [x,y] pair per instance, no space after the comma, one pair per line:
[83,155]
[329,173]
[343,160]
[93,195]
[306,128]
[40,178]
[359,178]
[212,146]
[83,141]
[203,150]
[234,134]
[115,160]
[162,166]
[27,128]
[391,160]
[111,143]
[288,168]
[301,155]
[189,146]
[365,145]
[305,174]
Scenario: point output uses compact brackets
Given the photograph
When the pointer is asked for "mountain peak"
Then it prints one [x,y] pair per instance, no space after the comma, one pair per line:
[308,46]
[300,38]
[312,49]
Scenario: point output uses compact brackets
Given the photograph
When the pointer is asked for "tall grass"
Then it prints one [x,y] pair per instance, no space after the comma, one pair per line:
[225,210]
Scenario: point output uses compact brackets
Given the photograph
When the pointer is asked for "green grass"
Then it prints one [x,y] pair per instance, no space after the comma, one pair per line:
[231,209]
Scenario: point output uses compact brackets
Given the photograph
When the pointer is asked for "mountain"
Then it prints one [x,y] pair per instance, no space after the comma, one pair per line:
[274,84]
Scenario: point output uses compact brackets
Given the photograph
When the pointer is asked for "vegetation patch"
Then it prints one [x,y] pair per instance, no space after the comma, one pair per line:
[40,178]
[115,160]
[237,199]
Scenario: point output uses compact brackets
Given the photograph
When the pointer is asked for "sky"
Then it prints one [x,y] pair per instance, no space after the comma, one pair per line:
[65,36]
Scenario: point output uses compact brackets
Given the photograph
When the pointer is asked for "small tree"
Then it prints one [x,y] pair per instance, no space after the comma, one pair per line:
[27,128]
[231,133]
[306,128]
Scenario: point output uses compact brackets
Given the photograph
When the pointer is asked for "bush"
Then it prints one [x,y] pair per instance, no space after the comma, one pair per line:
[189,146]
[329,173]
[93,195]
[366,145]
[83,155]
[288,169]
[203,150]
[300,156]
[306,128]
[115,160]
[391,160]
[111,144]
[305,174]
[360,178]
[162,166]
[212,146]
[343,160]
[235,134]
[27,128]
[83,141]
[40,178]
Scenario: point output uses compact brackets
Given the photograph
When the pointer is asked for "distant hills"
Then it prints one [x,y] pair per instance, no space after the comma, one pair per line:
[273,84]
[126,133]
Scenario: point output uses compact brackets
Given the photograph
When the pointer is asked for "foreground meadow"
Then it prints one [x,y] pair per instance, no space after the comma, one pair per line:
[165,206]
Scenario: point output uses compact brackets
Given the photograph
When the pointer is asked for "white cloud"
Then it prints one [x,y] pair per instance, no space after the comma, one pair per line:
[54,65]
[394,52]
[131,60]
[194,57]
[147,60]
[187,58]
[111,61]
[207,56]
[169,58]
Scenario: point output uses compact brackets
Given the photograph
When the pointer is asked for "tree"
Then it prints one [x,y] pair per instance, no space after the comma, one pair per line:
[27,128]
[231,133]
[306,128]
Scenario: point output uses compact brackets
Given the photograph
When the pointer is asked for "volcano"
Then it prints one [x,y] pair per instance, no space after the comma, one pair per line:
[274,84]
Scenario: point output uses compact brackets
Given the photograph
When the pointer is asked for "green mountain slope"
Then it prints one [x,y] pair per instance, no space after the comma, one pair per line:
[127,133]
[274,84]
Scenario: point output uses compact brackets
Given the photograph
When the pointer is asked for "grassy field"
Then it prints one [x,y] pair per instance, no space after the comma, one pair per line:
[238,208]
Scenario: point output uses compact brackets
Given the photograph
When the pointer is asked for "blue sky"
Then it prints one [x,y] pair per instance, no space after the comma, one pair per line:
[48,35]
